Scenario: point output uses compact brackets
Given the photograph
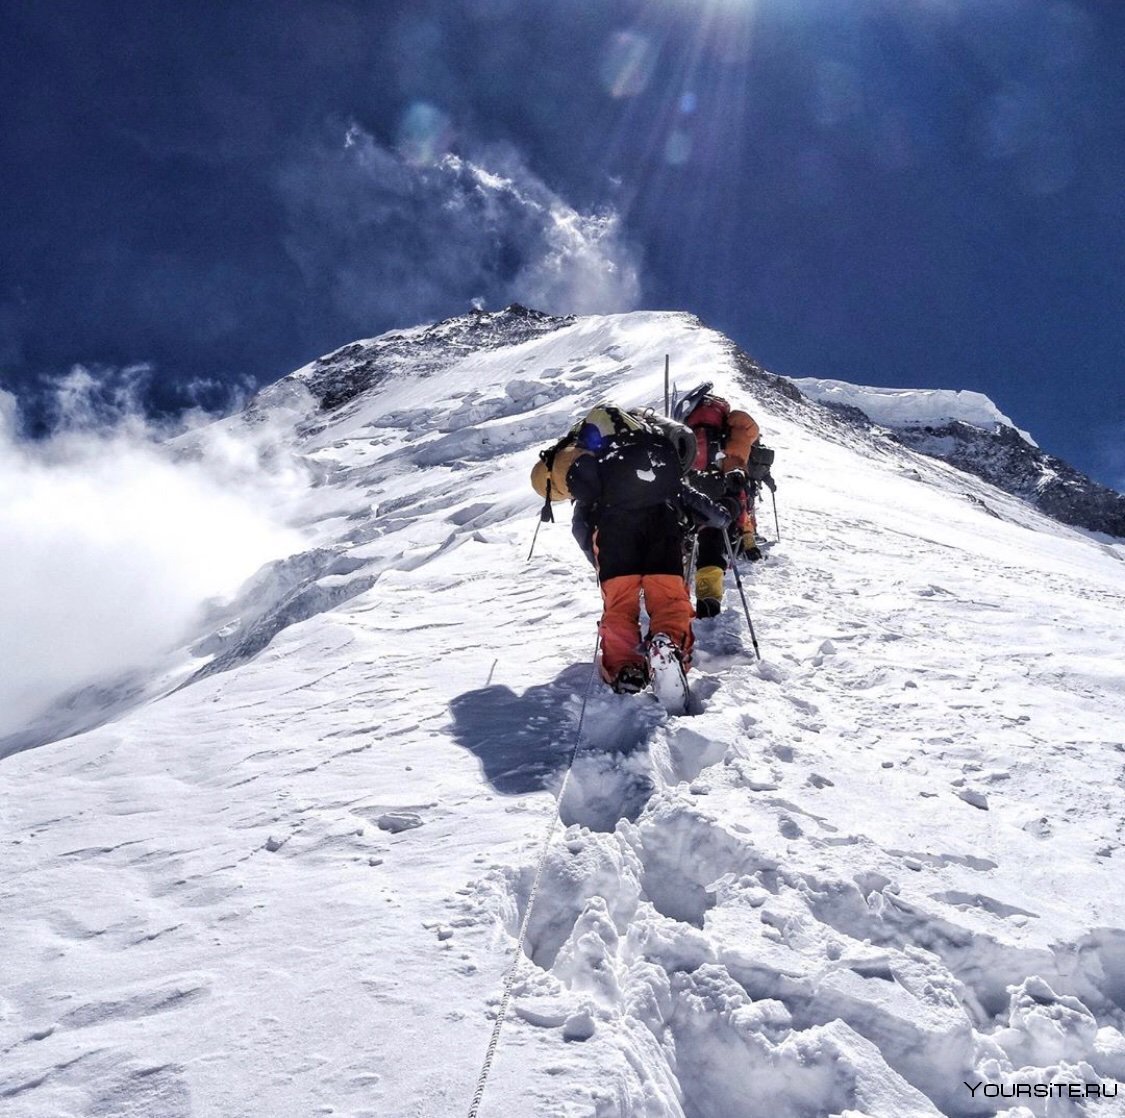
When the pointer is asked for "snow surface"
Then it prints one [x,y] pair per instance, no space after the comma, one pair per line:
[911,407]
[881,863]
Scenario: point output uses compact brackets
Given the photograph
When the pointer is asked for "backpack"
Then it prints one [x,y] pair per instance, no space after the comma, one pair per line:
[761,459]
[611,429]
[588,435]
[606,423]
[709,420]
[608,427]
[725,438]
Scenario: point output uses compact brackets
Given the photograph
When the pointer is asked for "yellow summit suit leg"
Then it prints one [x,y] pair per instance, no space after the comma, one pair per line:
[709,583]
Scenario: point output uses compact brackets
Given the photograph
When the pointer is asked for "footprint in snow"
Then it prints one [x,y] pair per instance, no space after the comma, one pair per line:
[789,828]
[396,821]
[979,900]
[973,797]
[969,861]
[756,778]
[772,672]
[803,705]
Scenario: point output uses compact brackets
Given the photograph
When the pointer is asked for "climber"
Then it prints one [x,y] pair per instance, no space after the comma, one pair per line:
[726,466]
[625,472]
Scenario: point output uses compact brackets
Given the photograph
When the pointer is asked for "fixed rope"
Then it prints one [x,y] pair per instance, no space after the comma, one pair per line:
[510,977]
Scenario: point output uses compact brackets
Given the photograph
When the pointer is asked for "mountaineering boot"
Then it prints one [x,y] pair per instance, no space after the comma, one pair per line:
[750,546]
[707,607]
[708,591]
[630,679]
[666,672]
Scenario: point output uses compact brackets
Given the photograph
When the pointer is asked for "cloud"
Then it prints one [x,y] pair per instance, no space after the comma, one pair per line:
[418,233]
[113,541]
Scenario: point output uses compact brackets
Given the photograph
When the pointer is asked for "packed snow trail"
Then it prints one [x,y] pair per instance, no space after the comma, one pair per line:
[878,865]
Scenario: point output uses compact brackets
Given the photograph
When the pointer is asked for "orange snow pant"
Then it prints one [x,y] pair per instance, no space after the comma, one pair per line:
[669,611]
[639,552]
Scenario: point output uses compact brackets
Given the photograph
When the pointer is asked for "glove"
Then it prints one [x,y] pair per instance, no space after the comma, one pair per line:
[733,509]
[769,483]
[735,482]
[720,514]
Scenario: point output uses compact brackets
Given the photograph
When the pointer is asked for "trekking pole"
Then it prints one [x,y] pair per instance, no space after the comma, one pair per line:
[742,593]
[667,401]
[538,525]
[545,514]
[776,525]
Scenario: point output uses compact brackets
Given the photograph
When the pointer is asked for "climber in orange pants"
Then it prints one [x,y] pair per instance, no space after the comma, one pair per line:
[649,544]
[630,495]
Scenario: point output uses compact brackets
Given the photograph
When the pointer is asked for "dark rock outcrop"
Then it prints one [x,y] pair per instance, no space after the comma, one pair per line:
[1003,458]
[342,375]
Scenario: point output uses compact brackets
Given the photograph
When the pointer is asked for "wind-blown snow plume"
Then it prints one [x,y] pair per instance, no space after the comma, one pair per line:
[413,234]
[112,541]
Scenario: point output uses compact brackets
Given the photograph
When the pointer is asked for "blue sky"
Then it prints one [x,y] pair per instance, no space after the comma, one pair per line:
[896,192]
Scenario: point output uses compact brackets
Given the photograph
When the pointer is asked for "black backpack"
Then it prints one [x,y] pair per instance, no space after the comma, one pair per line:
[761,459]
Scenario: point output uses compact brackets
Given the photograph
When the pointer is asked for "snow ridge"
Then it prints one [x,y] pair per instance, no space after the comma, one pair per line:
[911,407]
[873,868]
[967,430]
[343,374]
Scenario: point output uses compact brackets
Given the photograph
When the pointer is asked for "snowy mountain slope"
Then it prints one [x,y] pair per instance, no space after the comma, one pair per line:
[967,430]
[876,865]
[910,407]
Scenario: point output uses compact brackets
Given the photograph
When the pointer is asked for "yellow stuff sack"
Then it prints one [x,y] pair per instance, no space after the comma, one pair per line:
[553,464]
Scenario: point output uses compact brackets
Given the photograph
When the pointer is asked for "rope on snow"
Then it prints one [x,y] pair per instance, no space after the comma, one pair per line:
[510,977]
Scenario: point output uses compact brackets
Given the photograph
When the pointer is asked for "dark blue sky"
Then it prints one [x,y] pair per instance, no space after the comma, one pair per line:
[897,192]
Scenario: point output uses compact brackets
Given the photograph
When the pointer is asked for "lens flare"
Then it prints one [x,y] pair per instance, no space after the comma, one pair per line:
[628,64]
[677,148]
[424,134]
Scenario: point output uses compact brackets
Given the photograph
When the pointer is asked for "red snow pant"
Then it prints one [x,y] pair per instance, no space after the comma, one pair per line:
[640,552]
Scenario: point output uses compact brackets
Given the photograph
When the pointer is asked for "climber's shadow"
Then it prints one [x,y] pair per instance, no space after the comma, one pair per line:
[521,740]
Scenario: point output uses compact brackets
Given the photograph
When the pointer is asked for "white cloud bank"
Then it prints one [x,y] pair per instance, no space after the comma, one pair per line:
[110,544]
